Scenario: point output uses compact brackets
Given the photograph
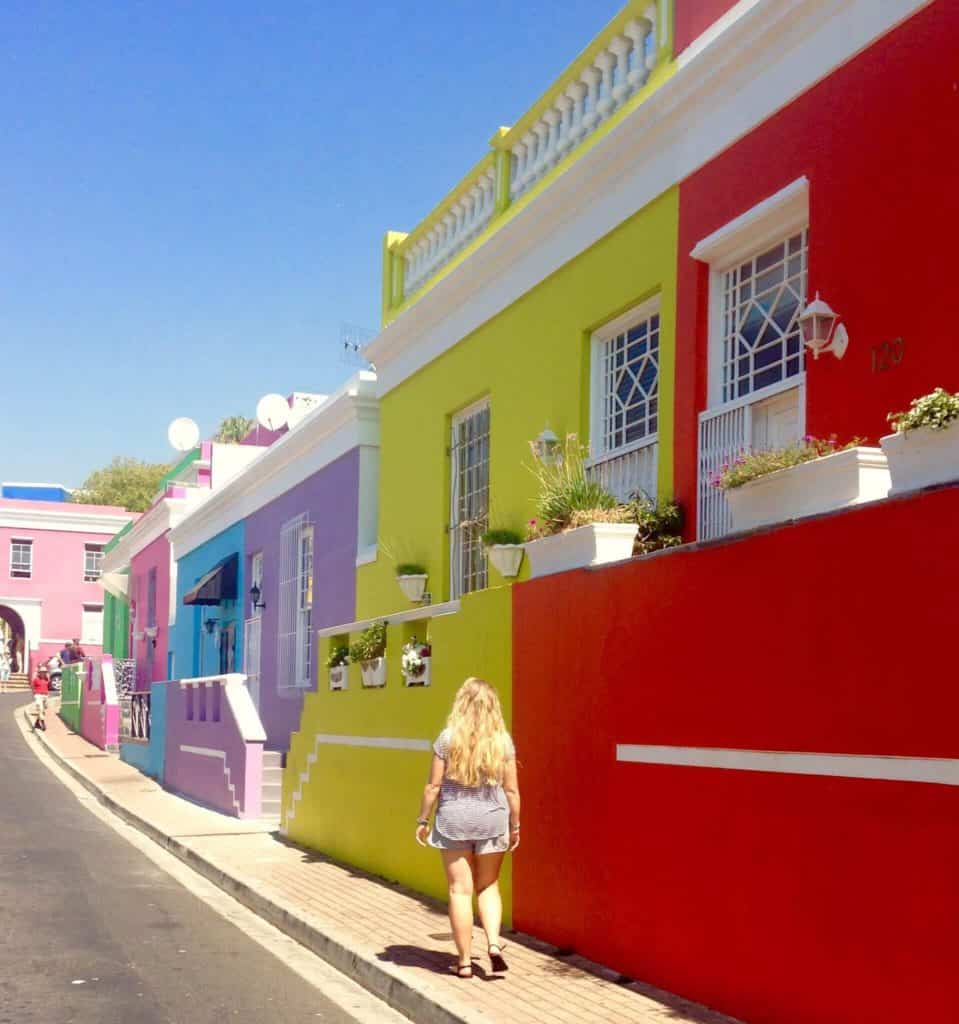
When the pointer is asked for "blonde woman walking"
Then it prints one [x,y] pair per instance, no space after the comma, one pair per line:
[473,785]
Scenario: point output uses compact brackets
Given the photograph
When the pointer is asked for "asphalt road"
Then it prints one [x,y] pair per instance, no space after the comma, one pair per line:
[93,932]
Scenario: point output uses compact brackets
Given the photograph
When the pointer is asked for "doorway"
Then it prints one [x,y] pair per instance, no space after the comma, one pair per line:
[13,637]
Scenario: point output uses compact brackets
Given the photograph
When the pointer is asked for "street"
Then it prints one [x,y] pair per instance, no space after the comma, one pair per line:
[92,931]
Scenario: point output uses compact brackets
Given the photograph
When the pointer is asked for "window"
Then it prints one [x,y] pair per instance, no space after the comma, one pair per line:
[625,403]
[21,559]
[469,499]
[92,562]
[91,626]
[152,598]
[762,299]
[295,640]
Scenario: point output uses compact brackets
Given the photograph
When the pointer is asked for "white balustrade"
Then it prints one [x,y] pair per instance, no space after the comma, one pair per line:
[628,473]
[723,433]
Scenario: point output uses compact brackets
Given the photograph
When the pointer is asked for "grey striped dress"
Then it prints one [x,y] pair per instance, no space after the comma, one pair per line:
[470,812]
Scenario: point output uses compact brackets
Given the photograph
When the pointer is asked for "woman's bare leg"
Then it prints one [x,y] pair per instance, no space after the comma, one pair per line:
[459,875]
[488,898]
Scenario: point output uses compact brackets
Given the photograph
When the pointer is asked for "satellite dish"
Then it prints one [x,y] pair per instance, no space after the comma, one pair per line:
[183,434]
[272,412]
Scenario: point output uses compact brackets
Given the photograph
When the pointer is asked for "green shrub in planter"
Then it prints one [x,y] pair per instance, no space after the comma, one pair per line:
[370,644]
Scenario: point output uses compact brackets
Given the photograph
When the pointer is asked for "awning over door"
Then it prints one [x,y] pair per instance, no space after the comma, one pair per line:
[218,585]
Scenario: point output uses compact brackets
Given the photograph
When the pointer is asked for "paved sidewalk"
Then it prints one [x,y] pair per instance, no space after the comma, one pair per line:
[391,941]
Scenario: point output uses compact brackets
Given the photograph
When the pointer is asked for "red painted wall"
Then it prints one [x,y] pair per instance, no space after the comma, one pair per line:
[877,142]
[693,17]
[780,899]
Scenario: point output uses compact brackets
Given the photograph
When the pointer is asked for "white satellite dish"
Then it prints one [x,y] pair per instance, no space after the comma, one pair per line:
[183,434]
[272,412]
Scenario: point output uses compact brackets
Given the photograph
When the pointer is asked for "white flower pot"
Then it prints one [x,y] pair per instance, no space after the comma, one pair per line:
[373,672]
[339,677]
[923,457]
[413,586]
[423,678]
[821,485]
[595,544]
[506,558]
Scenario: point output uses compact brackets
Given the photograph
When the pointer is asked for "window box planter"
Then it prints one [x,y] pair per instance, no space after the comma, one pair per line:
[414,587]
[922,457]
[848,477]
[373,672]
[595,544]
[339,677]
[506,558]
[420,678]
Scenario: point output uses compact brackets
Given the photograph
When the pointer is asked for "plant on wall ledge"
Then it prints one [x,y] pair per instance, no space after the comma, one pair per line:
[660,525]
[748,465]
[412,577]
[505,550]
[925,448]
[415,662]
[337,664]
[369,650]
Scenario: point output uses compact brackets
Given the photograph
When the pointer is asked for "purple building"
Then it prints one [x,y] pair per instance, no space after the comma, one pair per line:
[308,508]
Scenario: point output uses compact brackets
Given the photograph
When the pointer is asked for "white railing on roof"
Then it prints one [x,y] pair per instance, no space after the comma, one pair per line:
[628,472]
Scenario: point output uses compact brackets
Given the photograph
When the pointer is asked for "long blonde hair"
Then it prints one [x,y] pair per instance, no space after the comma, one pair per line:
[479,745]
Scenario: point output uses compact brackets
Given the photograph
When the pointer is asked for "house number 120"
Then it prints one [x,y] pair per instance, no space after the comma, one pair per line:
[887,355]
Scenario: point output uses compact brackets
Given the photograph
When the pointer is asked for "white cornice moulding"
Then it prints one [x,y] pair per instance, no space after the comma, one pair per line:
[769,53]
[152,525]
[67,522]
[348,419]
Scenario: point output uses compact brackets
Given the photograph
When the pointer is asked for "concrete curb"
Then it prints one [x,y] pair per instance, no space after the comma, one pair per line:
[409,996]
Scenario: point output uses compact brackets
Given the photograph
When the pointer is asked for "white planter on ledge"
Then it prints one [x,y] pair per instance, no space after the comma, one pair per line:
[595,544]
[821,485]
[414,587]
[339,677]
[373,672]
[506,558]
[422,678]
[923,457]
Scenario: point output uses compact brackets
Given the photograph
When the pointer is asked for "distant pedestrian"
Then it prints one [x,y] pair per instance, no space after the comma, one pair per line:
[78,652]
[473,777]
[41,693]
[55,668]
[66,653]
[4,669]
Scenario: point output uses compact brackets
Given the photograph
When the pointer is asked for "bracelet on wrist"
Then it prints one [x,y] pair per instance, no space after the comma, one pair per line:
[422,821]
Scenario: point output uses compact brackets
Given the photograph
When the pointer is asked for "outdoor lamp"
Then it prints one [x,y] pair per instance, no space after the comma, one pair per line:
[255,594]
[546,447]
[209,625]
[820,332]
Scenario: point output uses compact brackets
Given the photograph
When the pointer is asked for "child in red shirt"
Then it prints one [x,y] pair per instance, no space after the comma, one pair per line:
[41,690]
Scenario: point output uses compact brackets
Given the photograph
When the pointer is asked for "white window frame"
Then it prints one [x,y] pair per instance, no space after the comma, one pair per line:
[779,216]
[22,573]
[600,453]
[459,585]
[90,607]
[304,624]
[295,611]
[92,575]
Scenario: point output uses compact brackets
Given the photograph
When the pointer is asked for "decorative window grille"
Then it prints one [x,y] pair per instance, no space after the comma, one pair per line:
[469,499]
[625,403]
[91,626]
[21,559]
[92,562]
[762,300]
[294,638]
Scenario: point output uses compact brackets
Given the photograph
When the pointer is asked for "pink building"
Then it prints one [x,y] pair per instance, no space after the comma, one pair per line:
[51,553]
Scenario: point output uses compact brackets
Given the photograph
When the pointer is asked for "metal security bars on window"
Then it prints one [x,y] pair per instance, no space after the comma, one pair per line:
[469,499]
[762,300]
[21,559]
[631,376]
[294,639]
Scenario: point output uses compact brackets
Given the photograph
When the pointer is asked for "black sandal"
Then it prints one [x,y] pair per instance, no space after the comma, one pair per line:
[464,970]
[496,959]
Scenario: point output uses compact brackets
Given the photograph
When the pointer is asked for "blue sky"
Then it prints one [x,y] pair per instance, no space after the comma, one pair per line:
[194,194]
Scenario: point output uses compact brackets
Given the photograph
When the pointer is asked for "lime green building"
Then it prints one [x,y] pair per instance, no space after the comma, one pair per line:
[537,299]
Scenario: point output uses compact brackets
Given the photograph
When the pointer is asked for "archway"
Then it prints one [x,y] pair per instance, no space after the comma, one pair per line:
[13,636]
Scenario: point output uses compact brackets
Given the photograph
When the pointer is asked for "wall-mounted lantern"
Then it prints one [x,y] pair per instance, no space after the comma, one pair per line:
[255,595]
[210,625]
[546,447]
[821,330]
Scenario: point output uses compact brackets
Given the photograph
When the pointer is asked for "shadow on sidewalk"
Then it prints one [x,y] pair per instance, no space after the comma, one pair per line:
[432,960]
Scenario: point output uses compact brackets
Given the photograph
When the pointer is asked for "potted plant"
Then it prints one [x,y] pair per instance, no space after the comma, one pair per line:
[804,479]
[924,450]
[369,649]
[412,579]
[577,522]
[337,664]
[505,550]
[416,661]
